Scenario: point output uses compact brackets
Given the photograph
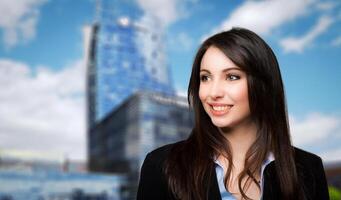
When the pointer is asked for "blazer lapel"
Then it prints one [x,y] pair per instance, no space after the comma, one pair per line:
[271,188]
[213,191]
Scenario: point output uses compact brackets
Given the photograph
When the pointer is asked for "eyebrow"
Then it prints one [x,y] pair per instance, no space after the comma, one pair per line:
[224,70]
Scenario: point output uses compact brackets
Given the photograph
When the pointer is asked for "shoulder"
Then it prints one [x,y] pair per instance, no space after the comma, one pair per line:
[307,162]
[306,158]
[159,155]
[311,174]
[153,184]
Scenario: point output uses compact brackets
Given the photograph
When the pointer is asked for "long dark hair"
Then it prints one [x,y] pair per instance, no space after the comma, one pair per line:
[190,164]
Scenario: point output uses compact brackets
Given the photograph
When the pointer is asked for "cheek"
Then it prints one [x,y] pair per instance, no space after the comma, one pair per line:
[202,93]
[240,93]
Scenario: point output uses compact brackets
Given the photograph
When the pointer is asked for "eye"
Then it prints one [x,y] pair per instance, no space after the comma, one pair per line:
[232,77]
[204,78]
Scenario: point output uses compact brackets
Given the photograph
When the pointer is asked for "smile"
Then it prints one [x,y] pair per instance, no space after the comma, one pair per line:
[219,110]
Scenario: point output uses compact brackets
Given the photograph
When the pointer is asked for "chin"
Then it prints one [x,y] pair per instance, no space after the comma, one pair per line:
[221,123]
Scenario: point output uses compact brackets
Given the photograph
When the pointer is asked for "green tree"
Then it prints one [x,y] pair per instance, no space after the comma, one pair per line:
[334,193]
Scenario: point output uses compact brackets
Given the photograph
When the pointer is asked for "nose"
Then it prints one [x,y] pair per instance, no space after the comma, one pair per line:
[216,90]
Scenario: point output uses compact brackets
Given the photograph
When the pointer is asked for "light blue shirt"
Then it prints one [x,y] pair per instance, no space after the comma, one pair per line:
[225,195]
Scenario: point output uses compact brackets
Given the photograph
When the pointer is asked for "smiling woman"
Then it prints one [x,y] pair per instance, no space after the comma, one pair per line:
[240,147]
[223,89]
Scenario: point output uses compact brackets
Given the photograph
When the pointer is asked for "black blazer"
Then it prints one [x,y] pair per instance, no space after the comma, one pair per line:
[153,184]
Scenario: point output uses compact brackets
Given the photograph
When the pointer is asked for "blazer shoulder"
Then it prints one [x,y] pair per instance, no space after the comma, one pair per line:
[153,184]
[311,174]
[159,155]
[302,156]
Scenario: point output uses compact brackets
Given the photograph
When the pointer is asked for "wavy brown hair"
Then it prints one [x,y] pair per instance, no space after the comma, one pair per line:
[190,164]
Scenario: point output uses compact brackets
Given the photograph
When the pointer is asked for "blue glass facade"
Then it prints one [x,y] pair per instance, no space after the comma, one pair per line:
[132,107]
[128,55]
[143,122]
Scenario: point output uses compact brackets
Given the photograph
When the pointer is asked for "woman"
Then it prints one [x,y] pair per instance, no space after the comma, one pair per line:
[240,145]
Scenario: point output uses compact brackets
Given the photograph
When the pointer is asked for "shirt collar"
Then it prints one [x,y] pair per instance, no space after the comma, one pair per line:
[270,157]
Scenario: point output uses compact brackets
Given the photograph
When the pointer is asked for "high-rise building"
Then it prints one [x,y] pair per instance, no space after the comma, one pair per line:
[143,122]
[126,54]
[132,106]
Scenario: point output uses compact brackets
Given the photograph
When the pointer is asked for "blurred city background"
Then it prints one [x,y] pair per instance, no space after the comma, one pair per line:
[89,87]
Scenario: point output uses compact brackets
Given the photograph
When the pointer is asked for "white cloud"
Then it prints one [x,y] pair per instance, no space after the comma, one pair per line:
[319,132]
[314,128]
[181,42]
[298,44]
[264,16]
[42,110]
[167,11]
[336,41]
[181,93]
[325,6]
[18,20]
[332,155]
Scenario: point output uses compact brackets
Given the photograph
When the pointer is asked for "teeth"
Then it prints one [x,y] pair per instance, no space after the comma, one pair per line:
[219,108]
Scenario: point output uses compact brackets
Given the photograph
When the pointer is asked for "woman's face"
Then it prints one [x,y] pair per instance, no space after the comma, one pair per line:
[223,90]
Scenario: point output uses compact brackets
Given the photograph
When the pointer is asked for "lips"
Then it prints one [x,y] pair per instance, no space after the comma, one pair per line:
[218,109]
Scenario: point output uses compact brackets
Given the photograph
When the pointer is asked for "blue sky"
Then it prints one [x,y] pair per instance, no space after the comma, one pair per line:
[42,69]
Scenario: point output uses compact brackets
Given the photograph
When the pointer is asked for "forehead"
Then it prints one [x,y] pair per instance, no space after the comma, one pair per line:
[215,60]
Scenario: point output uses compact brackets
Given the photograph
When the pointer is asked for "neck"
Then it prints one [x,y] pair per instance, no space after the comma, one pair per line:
[240,138]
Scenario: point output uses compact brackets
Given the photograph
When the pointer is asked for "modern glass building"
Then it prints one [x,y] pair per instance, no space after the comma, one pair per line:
[132,106]
[143,122]
[126,54]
